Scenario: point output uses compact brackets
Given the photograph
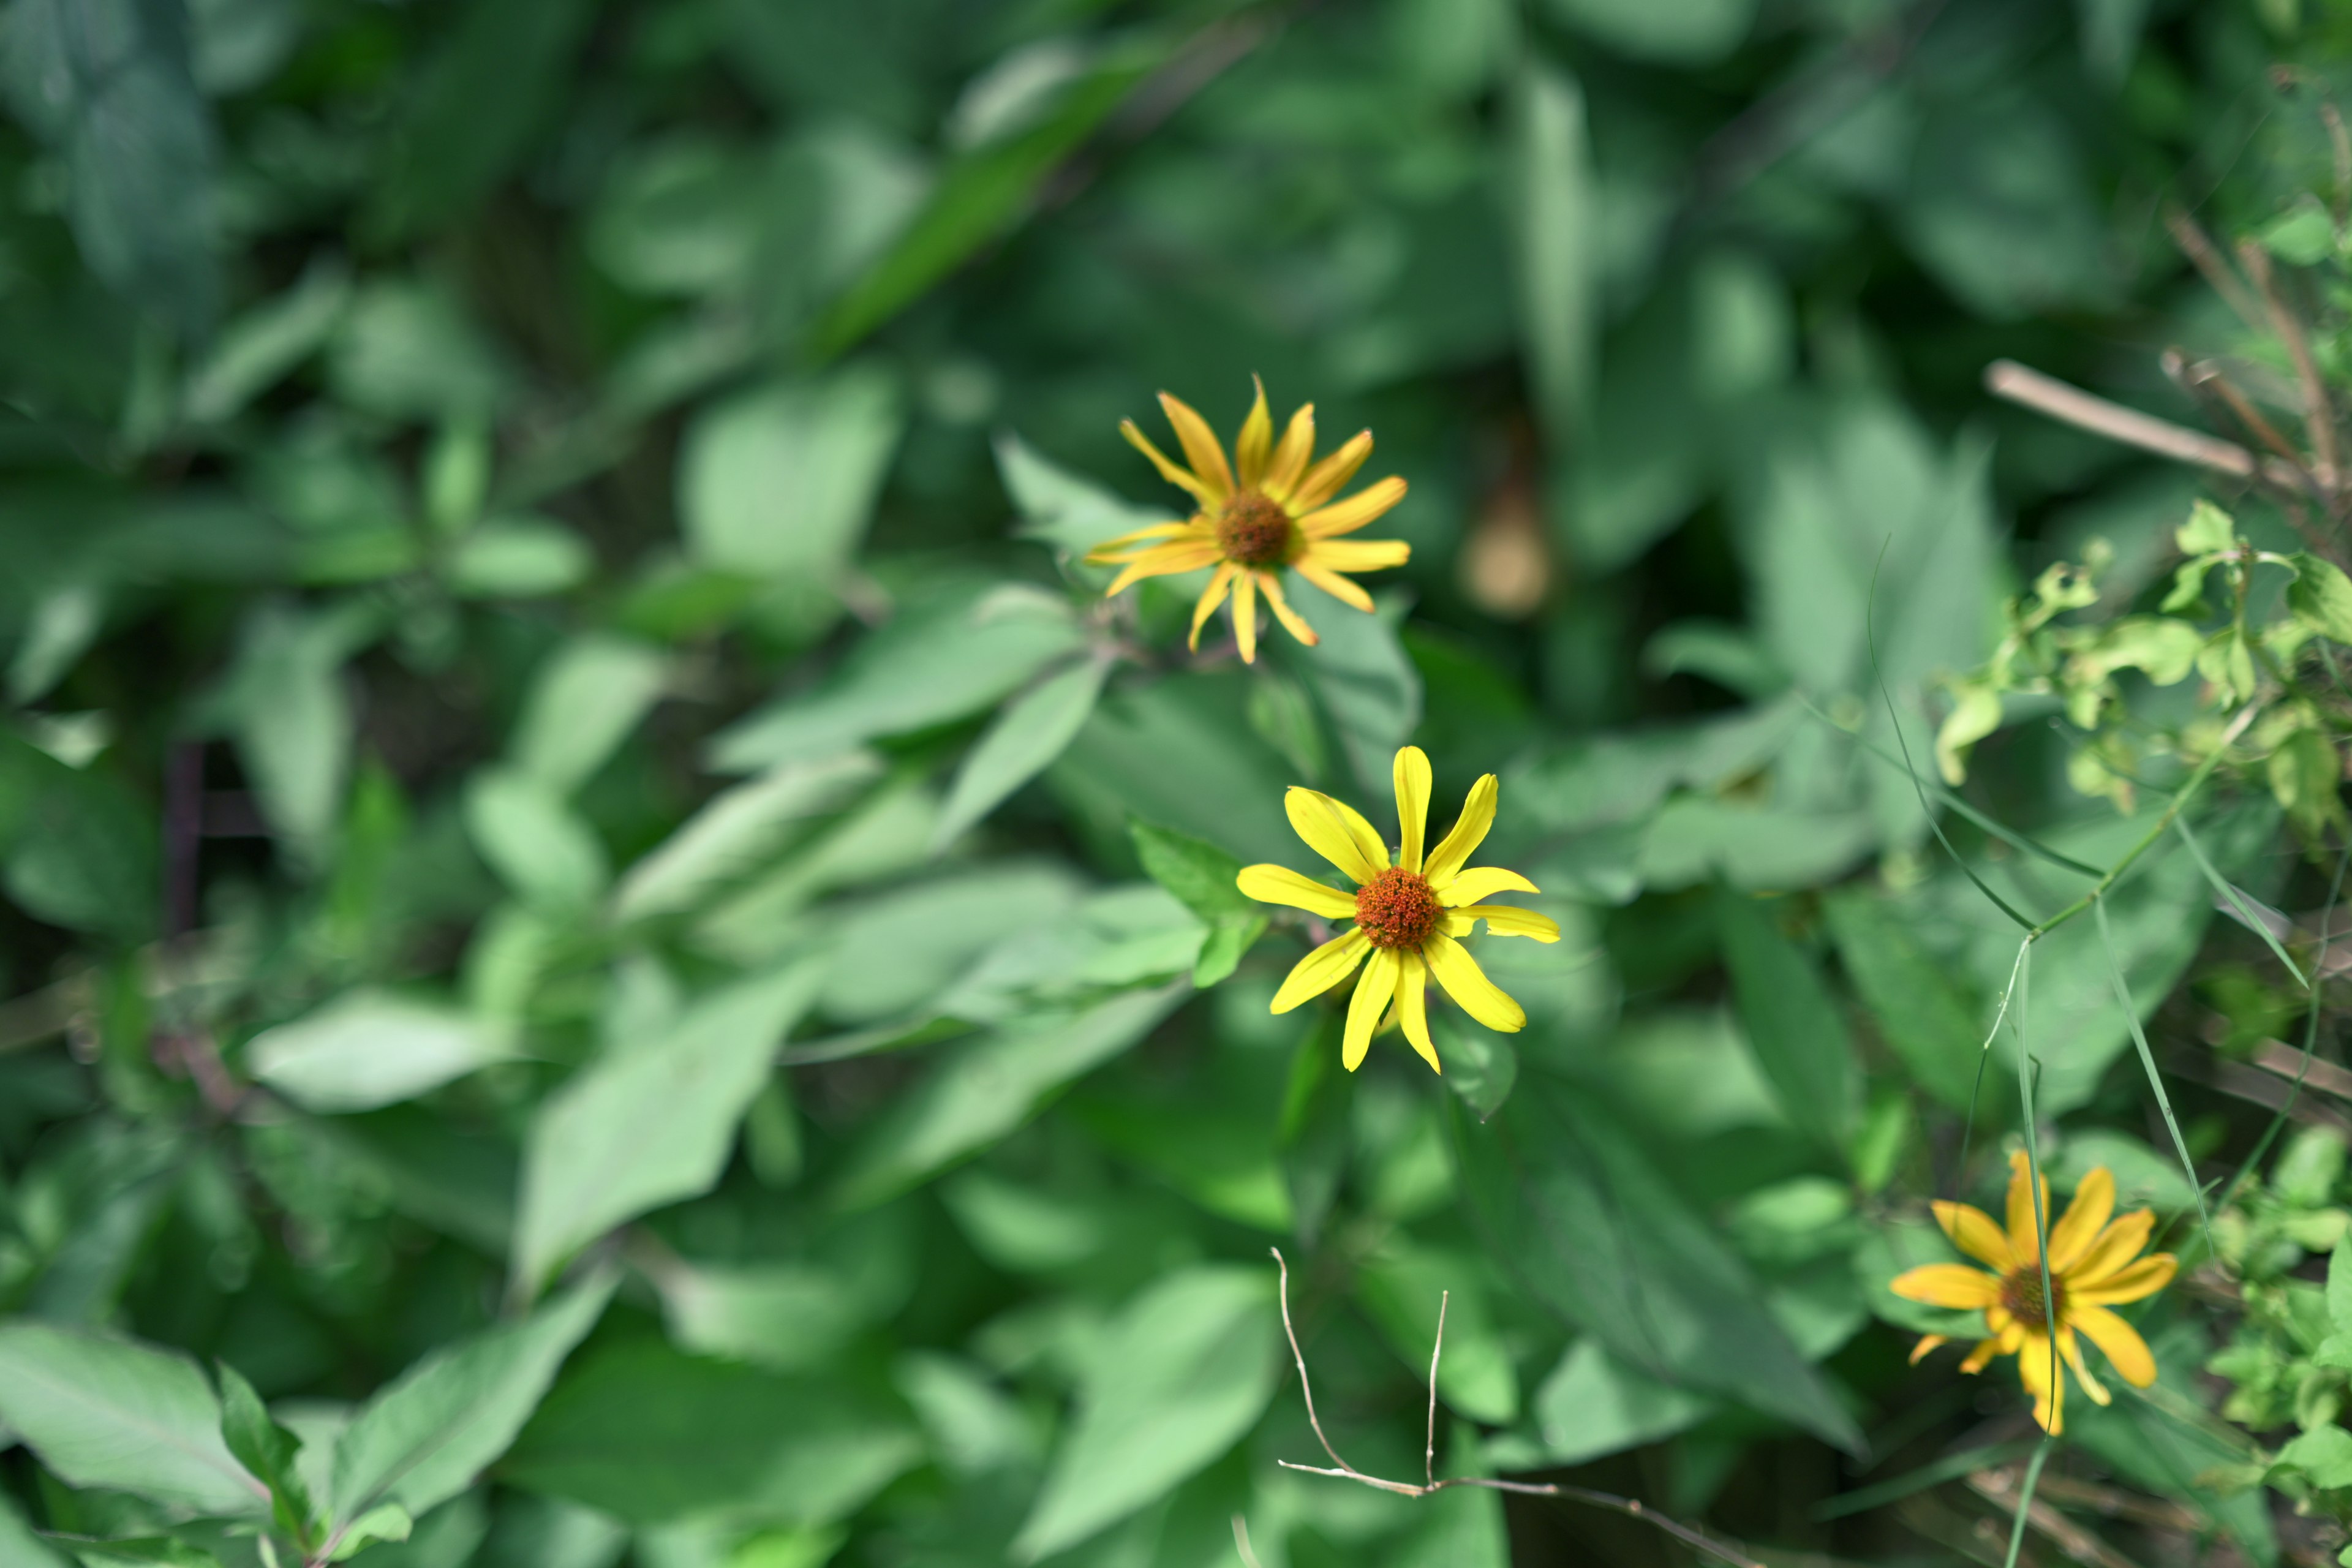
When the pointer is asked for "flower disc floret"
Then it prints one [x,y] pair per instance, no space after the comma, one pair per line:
[1253,530]
[1396,909]
[2021,1293]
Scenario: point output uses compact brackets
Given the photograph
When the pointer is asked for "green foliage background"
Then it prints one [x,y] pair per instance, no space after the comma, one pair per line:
[611,952]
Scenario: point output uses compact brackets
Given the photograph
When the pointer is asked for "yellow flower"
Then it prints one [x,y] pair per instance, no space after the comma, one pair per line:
[2093,1264]
[1407,911]
[1278,513]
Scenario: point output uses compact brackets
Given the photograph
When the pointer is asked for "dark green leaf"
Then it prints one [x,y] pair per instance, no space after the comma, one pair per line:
[1792,1021]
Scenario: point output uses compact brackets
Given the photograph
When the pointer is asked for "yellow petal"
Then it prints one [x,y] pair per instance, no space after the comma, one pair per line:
[1346,516]
[1974,1233]
[1980,1353]
[1357,554]
[1927,1342]
[1245,616]
[1112,550]
[2113,1249]
[1335,831]
[1468,887]
[1281,885]
[2094,1200]
[1164,560]
[1412,999]
[1282,612]
[2073,1350]
[1290,457]
[2145,1278]
[1332,583]
[1168,470]
[2037,1368]
[1256,439]
[1323,481]
[1374,991]
[1508,920]
[1453,850]
[1201,449]
[1220,583]
[1321,970]
[1468,985]
[1946,1285]
[2024,1238]
[1412,771]
[2118,1341]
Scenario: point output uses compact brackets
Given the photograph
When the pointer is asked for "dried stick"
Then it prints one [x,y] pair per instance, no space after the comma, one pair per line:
[1632,1508]
[2204,374]
[1242,1544]
[2318,414]
[2000,1489]
[2208,260]
[2048,394]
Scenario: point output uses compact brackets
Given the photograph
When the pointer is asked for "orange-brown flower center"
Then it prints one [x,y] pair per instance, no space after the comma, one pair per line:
[2020,1292]
[1253,530]
[1396,909]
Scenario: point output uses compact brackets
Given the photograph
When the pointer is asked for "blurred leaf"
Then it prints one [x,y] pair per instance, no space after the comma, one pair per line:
[650,1435]
[979,196]
[1670,32]
[1552,212]
[518,558]
[551,1533]
[103,1411]
[81,849]
[261,347]
[368,1048]
[1199,874]
[1792,1021]
[737,832]
[1593,1405]
[936,661]
[1020,743]
[897,950]
[2000,208]
[450,1533]
[632,1133]
[789,1317]
[985,1090]
[286,703]
[2321,597]
[266,1450]
[1185,1371]
[1059,507]
[483,95]
[1479,1066]
[107,84]
[778,481]
[1921,1010]
[1401,1287]
[406,350]
[19,1547]
[1577,1210]
[536,843]
[1180,753]
[422,1440]
[1361,674]
[587,700]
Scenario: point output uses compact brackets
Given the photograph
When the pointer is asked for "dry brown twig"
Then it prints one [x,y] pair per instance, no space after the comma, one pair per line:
[1632,1508]
[2318,414]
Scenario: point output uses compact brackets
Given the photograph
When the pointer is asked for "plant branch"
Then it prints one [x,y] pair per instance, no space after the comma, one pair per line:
[2203,255]
[2318,414]
[2047,395]
[1632,1508]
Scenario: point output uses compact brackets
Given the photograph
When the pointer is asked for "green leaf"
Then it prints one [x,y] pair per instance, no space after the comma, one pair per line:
[369,1048]
[1364,679]
[259,348]
[144,1549]
[292,719]
[1480,1065]
[1401,1286]
[111,92]
[1553,210]
[738,832]
[1593,1405]
[536,844]
[19,1547]
[1060,509]
[408,351]
[2322,1455]
[1670,32]
[2339,1287]
[2321,597]
[1198,873]
[586,700]
[636,1129]
[266,1449]
[107,1412]
[985,1090]
[1223,949]
[780,480]
[650,1435]
[83,853]
[1576,1208]
[935,662]
[1792,1021]
[1920,1008]
[385,1523]
[518,557]
[1020,743]
[2303,236]
[423,1438]
[788,1317]
[2210,530]
[1184,1372]
[981,195]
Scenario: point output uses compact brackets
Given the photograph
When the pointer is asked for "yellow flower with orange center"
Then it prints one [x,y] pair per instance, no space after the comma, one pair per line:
[2094,1264]
[1267,509]
[1408,911]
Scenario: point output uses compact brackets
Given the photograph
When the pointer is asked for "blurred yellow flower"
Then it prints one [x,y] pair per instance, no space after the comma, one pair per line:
[2093,1264]
[1267,511]
[1408,911]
